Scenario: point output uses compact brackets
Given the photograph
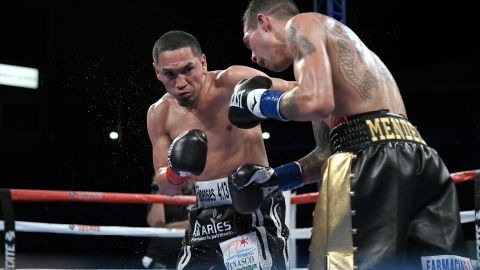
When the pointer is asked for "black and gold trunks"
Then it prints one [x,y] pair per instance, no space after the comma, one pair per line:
[361,130]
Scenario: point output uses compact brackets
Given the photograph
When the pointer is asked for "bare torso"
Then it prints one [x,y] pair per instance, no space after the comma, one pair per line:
[361,82]
[228,146]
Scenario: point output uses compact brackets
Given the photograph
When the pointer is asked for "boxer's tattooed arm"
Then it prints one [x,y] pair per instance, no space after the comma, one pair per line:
[300,46]
[290,106]
[312,163]
[289,102]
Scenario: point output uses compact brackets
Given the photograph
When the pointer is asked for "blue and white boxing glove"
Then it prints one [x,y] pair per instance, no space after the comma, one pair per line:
[250,184]
[253,101]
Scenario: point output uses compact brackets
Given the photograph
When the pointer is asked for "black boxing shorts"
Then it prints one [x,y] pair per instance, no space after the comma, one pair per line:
[220,238]
[394,198]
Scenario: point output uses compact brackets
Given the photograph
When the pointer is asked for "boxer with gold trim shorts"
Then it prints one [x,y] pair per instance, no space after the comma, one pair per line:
[386,198]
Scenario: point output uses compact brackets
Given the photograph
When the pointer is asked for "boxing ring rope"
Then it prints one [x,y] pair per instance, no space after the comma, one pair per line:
[31,195]
[81,229]
[34,195]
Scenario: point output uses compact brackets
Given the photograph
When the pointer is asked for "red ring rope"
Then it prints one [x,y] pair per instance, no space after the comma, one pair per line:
[464,176]
[30,195]
[26,195]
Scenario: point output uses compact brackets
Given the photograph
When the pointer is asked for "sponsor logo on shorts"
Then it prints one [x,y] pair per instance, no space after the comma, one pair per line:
[206,195]
[392,128]
[212,193]
[213,229]
[241,252]
[444,262]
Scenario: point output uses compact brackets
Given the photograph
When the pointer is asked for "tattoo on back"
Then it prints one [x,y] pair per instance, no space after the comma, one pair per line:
[300,46]
[382,69]
[350,60]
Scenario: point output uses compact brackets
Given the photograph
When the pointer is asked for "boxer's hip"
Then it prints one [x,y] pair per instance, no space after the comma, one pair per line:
[396,180]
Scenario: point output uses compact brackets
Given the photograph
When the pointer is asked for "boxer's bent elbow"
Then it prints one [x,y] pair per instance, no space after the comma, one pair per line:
[310,109]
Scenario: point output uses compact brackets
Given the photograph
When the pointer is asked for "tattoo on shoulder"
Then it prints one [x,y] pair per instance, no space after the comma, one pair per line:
[320,20]
[300,46]
[382,69]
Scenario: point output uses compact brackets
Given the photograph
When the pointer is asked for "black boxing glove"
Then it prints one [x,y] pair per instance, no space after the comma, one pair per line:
[187,155]
[250,184]
[252,101]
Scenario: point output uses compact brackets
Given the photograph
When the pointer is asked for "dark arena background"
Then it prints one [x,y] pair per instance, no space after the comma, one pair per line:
[96,76]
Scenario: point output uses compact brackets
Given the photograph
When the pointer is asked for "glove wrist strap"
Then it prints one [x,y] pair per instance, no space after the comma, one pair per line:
[174,178]
[289,176]
[270,104]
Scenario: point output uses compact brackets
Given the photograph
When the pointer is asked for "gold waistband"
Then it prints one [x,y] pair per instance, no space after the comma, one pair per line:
[359,131]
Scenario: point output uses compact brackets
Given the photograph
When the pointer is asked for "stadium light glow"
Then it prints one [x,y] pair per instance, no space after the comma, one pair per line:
[19,76]
[113,135]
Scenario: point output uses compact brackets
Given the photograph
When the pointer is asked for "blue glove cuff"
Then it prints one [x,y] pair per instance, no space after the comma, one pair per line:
[289,176]
[270,104]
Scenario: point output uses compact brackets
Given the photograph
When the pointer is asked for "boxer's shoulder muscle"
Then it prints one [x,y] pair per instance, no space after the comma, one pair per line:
[157,114]
[165,116]
[228,78]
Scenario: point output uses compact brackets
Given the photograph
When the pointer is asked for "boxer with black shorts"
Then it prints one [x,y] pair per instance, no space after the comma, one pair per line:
[386,197]
[193,140]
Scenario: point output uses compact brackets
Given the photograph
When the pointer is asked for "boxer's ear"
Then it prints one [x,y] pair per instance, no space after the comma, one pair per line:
[203,62]
[264,22]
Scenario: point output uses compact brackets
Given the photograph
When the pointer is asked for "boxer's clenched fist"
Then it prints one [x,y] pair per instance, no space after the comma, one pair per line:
[187,155]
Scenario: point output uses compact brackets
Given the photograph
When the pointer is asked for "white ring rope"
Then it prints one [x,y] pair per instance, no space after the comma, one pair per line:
[27,226]
[79,229]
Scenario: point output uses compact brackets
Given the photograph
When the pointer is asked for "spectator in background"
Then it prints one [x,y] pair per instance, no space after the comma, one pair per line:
[162,253]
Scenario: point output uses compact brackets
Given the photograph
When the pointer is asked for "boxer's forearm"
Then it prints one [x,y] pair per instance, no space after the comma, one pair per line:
[312,166]
[177,225]
[300,105]
[165,187]
[282,85]
[312,163]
